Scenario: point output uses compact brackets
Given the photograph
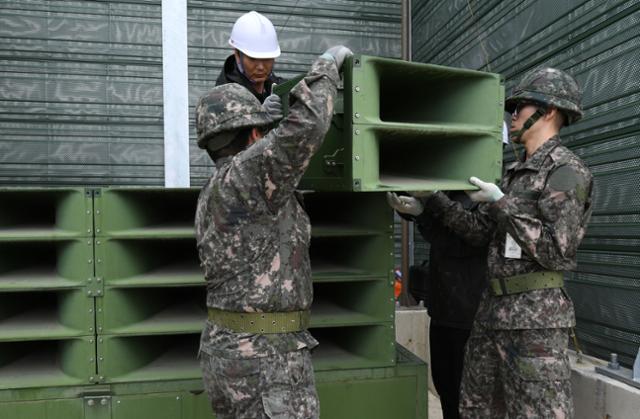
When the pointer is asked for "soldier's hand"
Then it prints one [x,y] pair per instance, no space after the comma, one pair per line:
[338,54]
[489,192]
[273,106]
[405,204]
[421,194]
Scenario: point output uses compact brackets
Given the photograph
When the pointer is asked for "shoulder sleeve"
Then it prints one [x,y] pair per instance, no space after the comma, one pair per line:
[475,227]
[271,168]
[552,236]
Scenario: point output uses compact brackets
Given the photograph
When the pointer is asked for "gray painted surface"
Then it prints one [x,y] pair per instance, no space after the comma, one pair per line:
[81,94]
[175,88]
[598,42]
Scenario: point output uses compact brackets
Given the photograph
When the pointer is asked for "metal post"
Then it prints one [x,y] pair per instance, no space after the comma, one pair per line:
[175,87]
[405,297]
[405,28]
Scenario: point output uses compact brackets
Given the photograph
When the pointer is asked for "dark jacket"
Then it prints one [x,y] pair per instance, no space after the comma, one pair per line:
[231,74]
[456,274]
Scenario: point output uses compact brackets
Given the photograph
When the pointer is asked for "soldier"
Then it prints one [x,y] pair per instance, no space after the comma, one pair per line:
[255,48]
[516,363]
[454,283]
[253,242]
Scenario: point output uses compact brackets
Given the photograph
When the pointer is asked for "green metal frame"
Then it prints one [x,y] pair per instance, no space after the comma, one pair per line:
[372,393]
[123,307]
[411,126]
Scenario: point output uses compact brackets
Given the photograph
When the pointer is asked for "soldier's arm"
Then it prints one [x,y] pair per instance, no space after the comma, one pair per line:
[552,238]
[273,166]
[474,227]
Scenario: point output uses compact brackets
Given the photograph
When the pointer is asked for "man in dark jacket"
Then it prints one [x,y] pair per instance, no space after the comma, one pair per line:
[454,282]
[256,47]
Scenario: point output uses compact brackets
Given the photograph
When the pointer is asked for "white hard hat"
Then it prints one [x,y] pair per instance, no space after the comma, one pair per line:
[255,36]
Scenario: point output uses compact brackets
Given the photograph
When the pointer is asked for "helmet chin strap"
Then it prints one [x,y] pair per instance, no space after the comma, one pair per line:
[529,123]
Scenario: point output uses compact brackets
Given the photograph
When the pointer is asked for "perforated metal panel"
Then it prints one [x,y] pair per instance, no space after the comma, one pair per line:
[81,82]
[598,42]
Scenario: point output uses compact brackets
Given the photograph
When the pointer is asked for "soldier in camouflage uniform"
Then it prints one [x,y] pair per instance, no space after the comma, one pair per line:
[516,362]
[253,239]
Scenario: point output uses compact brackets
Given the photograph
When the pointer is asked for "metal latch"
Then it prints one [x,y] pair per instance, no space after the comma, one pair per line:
[331,160]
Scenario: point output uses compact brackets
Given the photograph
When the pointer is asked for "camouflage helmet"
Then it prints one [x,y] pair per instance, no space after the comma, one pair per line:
[552,87]
[225,110]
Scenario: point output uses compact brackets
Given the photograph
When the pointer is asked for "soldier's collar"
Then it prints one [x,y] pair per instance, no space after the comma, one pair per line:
[535,162]
[222,161]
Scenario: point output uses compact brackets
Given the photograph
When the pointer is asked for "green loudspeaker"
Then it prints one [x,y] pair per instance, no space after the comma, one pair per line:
[148,358]
[47,363]
[410,126]
[145,212]
[152,310]
[45,214]
[45,315]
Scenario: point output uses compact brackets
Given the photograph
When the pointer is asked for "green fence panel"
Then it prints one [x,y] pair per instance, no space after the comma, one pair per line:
[598,43]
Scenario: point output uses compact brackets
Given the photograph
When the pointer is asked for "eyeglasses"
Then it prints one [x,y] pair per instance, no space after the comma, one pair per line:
[520,106]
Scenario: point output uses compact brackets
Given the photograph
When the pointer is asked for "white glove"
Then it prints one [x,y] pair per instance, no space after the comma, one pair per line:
[489,192]
[273,106]
[337,54]
[405,204]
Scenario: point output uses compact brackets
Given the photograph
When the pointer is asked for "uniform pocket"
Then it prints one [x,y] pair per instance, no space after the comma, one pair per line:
[277,404]
[291,392]
[547,368]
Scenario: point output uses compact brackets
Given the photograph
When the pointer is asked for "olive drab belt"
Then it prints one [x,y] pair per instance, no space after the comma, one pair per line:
[526,282]
[261,323]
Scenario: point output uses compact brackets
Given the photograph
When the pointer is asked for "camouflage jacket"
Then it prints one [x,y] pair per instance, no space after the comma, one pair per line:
[253,235]
[546,207]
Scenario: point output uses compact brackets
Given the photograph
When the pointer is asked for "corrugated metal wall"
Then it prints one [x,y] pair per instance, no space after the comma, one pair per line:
[81,81]
[598,42]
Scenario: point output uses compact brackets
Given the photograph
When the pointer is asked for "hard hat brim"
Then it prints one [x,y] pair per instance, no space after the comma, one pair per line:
[256,54]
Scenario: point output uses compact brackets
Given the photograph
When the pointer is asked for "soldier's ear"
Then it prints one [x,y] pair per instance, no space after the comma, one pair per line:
[254,135]
[554,114]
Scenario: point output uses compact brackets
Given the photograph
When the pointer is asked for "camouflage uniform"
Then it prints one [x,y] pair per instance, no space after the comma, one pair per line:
[253,239]
[516,362]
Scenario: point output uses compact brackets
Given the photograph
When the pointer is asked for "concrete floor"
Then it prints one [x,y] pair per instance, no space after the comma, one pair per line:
[435,411]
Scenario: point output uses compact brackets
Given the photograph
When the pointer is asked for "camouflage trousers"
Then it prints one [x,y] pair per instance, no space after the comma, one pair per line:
[516,374]
[276,387]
